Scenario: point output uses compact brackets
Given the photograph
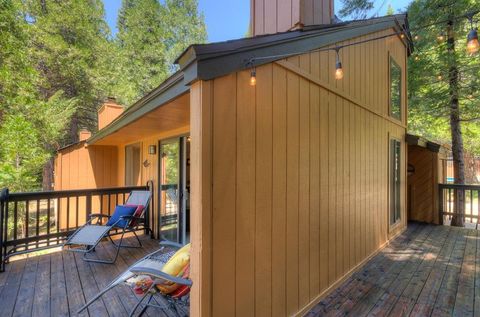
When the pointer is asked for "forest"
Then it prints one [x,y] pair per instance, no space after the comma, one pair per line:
[59,61]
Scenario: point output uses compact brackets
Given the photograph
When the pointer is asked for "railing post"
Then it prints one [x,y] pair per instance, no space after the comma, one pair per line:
[88,205]
[440,205]
[3,227]
[146,225]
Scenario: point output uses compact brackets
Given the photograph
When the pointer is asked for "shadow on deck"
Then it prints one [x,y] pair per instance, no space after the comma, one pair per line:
[59,283]
[427,271]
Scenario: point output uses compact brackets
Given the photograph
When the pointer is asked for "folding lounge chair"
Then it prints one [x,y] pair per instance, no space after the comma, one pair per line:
[87,237]
[152,265]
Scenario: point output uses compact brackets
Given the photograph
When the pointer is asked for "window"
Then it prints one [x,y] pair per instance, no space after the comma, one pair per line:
[132,165]
[395,90]
[395,178]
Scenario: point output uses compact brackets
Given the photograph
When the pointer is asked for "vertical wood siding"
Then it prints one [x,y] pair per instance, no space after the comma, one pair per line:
[300,177]
[80,167]
[271,16]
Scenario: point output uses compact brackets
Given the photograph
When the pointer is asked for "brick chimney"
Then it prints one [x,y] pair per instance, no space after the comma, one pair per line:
[272,16]
[84,134]
[108,112]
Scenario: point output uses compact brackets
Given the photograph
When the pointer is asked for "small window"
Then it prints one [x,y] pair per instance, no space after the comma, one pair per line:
[395,90]
[395,181]
[132,165]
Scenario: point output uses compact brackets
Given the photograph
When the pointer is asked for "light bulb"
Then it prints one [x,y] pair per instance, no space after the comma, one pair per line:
[416,37]
[339,71]
[472,42]
[417,58]
[253,78]
[439,77]
[440,38]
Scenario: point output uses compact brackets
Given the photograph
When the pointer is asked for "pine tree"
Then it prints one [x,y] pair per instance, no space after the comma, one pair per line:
[69,37]
[356,9]
[443,99]
[150,37]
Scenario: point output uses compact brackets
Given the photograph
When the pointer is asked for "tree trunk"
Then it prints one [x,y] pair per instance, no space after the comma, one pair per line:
[456,131]
[47,175]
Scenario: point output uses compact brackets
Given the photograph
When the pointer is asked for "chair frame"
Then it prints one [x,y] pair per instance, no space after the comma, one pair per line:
[88,249]
[146,300]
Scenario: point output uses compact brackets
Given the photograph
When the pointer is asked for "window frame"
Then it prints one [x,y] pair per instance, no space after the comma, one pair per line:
[391,62]
[393,221]
[139,145]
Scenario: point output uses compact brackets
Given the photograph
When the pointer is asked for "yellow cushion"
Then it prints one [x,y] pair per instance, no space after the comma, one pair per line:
[175,266]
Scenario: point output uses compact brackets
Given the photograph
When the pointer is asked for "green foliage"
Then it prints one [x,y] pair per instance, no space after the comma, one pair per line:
[429,98]
[390,10]
[150,37]
[58,62]
[356,9]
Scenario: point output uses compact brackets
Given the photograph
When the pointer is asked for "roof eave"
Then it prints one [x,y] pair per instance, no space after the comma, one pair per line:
[169,90]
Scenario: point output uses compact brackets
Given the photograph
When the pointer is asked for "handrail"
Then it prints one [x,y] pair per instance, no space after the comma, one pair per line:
[33,221]
[459,204]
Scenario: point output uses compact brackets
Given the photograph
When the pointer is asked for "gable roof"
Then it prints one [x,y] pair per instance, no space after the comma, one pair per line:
[208,61]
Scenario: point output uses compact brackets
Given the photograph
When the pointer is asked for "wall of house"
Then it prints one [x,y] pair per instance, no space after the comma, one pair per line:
[149,165]
[290,179]
[423,184]
[82,167]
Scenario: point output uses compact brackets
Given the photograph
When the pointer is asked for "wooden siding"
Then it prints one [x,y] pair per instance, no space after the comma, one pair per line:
[82,167]
[299,169]
[423,185]
[272,16]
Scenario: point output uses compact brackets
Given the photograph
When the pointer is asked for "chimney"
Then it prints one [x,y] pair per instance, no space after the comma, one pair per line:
[84,135]
[109,111]
[272,16]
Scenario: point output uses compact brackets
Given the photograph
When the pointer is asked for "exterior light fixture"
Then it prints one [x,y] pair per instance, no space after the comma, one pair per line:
[338,66]
[152,149]
[253,77]
[472,42]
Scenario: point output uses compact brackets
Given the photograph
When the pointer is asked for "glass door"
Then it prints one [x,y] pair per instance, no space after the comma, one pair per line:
[173,189]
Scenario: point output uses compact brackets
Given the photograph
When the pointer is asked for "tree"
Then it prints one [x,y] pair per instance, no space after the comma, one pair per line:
[150,36]
[357,9]
[390,10]
[26,122]
[442,77]
[68,39]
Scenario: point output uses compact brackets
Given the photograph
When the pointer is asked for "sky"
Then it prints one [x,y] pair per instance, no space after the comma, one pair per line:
[229,19]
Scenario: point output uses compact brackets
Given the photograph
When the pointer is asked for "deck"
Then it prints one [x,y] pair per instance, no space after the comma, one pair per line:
[59,283]
[427,271]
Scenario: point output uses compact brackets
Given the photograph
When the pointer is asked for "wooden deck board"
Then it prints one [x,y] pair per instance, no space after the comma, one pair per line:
[427,271]
[59,283]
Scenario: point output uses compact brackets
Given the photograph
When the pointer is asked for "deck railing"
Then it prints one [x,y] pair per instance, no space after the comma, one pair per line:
[39,220]
[459,201]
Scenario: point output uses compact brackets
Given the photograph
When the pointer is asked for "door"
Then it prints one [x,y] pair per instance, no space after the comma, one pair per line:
[173,193]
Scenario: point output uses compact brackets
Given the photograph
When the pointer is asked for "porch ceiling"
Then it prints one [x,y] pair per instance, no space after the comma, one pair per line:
[174,115]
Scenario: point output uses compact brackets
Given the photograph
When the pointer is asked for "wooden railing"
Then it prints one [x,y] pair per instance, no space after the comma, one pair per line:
[459,202]
[39,220]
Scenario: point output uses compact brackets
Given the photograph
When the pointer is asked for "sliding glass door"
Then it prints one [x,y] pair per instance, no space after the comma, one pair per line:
[173,189]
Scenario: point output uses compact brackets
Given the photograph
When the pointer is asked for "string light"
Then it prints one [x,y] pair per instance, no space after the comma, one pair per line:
[472,38]
[338,66]
[473,46]
[253,77]
[472,42]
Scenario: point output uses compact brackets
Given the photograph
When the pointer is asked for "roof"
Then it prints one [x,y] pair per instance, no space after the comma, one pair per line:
[423,142]
[208,61]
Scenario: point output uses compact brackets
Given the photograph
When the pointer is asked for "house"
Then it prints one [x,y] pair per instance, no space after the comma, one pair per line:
[296,178]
